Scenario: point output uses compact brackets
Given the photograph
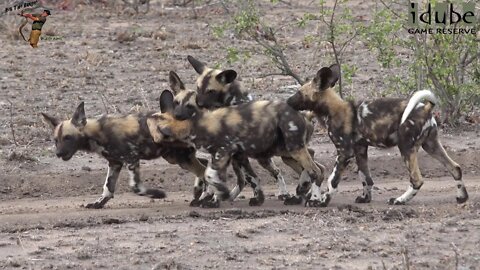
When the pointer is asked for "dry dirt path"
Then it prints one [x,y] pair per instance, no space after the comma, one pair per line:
[138,233]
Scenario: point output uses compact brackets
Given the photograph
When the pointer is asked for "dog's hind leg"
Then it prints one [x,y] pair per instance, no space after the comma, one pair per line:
[316,175]
[197,167]
[304,182]
[114,169]
[237,169]
[410,158]
[361,157]
[268,164]
[252,178]
[137,186]
[433,147]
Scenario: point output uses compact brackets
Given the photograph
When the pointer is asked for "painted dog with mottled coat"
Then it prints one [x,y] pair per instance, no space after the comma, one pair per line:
[121,140]
[385,122]
[221,88]
[258,129]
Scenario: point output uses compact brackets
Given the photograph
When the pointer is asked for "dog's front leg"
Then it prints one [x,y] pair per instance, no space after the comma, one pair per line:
[275,172]
[137,186]
[215,176]
[252,178]
[114,169]
[342,161]
[361,157]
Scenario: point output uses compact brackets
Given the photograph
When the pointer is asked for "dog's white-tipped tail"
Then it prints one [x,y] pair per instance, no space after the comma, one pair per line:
[415,99]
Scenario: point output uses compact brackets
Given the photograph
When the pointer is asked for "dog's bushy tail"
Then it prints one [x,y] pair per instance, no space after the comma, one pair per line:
[417,98]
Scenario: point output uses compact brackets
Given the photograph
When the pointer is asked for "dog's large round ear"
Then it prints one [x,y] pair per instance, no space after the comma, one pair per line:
[196,64]
[50,120]
[336,73]
[326,77]
[166,101]
[176,84]
[79,118]
[226,76]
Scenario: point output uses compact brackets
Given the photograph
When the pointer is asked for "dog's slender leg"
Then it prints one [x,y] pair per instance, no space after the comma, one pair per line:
[316,175]
[361,157]
[252,178]
[196,166]
[137,186]
[215,177]
[416,182]
[433,147]
[275,172]
[240,179]
[304,182]
[334,178]
[114,169]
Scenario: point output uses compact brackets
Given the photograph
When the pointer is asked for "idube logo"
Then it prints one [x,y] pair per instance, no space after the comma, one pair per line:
[442,18]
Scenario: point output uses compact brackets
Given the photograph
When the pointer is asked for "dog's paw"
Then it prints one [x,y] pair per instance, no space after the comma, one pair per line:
[195,203]
[363,199]
[293,200]
[461,200]
[255,202]
[283,197]
[314,203]
[155,193]
[394,201]
[210,204]
[94,205]
[303,188]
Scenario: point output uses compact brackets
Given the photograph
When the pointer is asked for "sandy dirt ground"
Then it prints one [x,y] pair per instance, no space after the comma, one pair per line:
[43,224]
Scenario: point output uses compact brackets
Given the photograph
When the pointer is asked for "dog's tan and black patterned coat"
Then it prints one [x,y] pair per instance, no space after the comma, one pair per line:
[258,129]
[385,122]
[121,140]
[221,88]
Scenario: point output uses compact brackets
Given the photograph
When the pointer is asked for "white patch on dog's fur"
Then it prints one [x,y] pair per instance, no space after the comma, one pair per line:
[142,189]
[316,192]
[304,177]
[282,186]
[332,190]
[234,193]
[430,123]
[408,195]
[212,175]
[292,126]
[365,110]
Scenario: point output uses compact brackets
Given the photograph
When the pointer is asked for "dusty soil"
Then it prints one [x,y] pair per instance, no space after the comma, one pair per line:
[44,226]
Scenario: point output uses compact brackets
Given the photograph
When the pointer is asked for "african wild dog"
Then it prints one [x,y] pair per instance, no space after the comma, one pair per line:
[185,101]
[258,129]
[384,122]
[216,89]
[120,140]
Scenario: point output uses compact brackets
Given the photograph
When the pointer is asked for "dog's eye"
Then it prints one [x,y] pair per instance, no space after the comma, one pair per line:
[190,106]
[211,91]
[67,138]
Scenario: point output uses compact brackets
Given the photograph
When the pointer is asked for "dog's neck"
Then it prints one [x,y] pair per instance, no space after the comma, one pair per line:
[338,111]
[92,136]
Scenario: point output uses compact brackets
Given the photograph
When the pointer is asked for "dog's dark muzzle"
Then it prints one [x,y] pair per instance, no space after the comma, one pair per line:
[296,102]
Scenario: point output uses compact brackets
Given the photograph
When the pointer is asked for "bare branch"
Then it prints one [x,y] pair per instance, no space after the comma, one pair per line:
[12,129]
